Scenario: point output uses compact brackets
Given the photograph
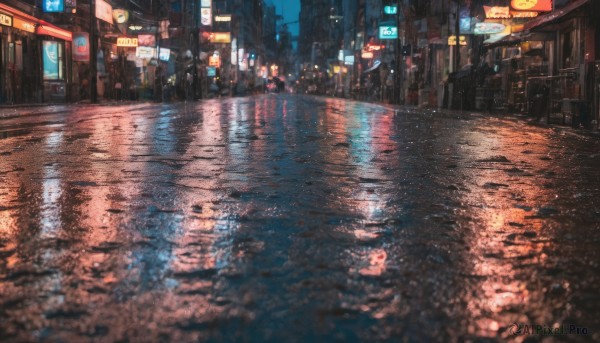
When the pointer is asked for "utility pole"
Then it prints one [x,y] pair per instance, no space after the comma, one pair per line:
[93,54]
[196,48]
[398,48]
[457,34]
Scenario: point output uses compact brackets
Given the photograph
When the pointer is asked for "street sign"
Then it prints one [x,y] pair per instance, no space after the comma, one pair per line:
[388,32]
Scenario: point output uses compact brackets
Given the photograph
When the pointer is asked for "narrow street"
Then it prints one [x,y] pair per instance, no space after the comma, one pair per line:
[285,218]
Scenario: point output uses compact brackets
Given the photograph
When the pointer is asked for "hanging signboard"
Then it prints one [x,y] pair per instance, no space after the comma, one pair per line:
[206,16]
[50,60]
[146,40]
[53,6]
[497,12]
[127,42]
[120,16]
[205,3]
[104,11]
[81,46]
[488,28]
[531,5]
[388,32]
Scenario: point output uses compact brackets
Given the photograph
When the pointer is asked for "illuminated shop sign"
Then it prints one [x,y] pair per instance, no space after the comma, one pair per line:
[211,71]
[120,16]
[6,20]
[488,28]
[206,16]
[24,25]
[146,40]
[531,5]
[127,42]
[462,40]
[220,37]
[366,55]
[223,18]
[145,52]
[393,9]
[388,32]
[164,54]
[104,11]
[53,6]
[214,61]
[497,12]
[81,46]
[205,3]
[523,14]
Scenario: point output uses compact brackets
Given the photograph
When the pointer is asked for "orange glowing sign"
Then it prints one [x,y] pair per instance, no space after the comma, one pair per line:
[214,61]
[532,5]
[220,37]
[523,14]
[371,47]
[24,25]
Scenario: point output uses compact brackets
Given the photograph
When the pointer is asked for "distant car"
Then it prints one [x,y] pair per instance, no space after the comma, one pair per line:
[275,85]
[271,87]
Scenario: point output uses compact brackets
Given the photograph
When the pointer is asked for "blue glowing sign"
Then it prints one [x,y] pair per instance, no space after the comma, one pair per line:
[53,5]
[50,59]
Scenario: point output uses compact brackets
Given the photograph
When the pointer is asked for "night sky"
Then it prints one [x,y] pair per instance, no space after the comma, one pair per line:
[290,9]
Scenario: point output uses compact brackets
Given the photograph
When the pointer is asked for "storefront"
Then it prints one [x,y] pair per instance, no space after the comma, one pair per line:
[569,83]
[33,59]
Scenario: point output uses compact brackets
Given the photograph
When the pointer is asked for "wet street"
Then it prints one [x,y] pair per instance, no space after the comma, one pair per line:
[285,218]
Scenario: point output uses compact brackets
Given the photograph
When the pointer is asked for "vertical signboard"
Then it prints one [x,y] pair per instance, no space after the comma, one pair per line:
[104,11]
[81,47]
[206,16]
[50,59]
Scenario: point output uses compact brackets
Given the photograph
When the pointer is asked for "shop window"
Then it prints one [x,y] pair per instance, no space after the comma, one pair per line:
[53,58]
[568,49]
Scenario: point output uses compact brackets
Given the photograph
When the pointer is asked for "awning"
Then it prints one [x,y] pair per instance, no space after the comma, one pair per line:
[26,22]
[376,65]
[555,15]
[48,29]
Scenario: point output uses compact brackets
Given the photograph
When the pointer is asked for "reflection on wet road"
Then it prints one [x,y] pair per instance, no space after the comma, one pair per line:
[283,218]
